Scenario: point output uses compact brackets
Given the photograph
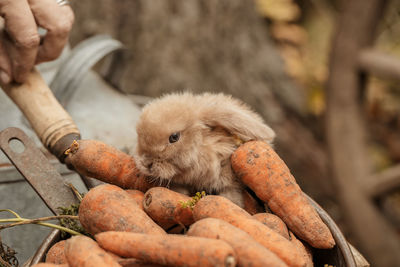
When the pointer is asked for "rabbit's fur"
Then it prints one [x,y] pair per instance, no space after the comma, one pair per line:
[210,126]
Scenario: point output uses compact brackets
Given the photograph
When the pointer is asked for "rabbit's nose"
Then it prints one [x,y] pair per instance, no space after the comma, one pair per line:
[149,165]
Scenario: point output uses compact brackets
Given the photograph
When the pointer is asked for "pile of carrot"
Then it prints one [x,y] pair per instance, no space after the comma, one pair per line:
[134,223]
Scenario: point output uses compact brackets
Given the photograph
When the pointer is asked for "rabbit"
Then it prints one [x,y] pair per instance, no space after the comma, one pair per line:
[186,140]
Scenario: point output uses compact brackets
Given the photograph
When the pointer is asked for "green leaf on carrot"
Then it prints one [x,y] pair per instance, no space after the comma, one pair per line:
[70,223]
[191,203]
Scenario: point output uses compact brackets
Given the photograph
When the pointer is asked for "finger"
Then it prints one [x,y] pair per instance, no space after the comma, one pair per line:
[22,30]
[5,64]
[57,20]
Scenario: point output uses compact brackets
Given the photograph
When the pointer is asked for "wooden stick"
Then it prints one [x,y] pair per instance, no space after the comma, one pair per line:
[47,117]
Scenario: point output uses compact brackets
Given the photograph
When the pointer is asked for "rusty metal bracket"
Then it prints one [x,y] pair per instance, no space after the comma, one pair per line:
[36,169]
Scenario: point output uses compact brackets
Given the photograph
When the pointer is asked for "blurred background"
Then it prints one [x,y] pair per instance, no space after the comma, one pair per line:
[274,55]
[297,63]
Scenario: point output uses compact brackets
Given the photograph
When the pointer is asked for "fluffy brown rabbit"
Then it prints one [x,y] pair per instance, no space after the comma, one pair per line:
[186,141]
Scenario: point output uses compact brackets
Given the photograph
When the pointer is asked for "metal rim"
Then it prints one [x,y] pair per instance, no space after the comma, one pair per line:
[40,254]
[340,240]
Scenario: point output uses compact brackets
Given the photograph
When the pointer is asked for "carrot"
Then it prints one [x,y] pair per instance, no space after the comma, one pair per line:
[101,161]
[273,222]
[131,262]
[250,204]
[136,195]
[221,208]
[114,256]
[56,253]
[48,264]
[172,250]
[261,169]
[166,207]
[82,251]
[304,250]
[108,207]
[248,251]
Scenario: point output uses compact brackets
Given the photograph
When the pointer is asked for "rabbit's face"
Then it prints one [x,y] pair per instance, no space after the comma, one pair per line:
[168,139]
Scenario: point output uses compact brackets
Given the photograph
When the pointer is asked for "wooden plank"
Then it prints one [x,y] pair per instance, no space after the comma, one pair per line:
[379,64]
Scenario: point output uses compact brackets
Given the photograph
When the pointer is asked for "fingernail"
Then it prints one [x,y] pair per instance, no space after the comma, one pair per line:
[4,77]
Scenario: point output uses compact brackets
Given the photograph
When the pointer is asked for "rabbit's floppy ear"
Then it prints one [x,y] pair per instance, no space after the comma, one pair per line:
[235,117]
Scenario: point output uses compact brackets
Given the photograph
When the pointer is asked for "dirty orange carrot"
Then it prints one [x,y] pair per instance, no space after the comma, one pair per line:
[136,195]
[250,204]
[131,262]
[263,171]
[114,256]
[249,252]
[171,250]
[83,251]
[273,222]
[304,249]
[101,161]
[107,207]
[56,253]
[222,208]
[48,264]
[166,207]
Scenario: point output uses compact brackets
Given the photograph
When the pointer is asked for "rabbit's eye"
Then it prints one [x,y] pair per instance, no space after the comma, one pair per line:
[174,137]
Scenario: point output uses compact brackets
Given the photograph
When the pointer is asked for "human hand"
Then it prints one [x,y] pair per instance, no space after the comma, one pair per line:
[21,47]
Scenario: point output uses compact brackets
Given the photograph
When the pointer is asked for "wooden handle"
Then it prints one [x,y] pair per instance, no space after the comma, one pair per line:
[47,117]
